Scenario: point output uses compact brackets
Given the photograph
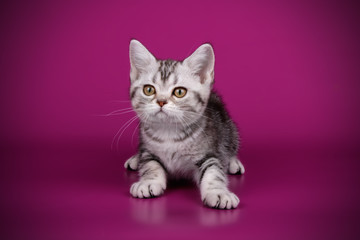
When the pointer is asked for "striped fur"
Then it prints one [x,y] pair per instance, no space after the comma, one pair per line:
[192,136]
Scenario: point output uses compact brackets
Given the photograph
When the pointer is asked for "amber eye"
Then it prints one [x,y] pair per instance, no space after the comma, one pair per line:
[179,92]
[149,90]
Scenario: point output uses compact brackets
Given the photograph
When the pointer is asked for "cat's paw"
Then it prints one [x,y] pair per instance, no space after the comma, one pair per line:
[236,167]
[132,163]
[147,189]
[221,199]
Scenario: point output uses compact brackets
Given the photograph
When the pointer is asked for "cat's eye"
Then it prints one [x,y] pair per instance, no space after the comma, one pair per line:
[180,92]
[149,90]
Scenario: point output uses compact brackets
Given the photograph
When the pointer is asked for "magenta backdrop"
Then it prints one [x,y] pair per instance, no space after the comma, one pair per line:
[287,70]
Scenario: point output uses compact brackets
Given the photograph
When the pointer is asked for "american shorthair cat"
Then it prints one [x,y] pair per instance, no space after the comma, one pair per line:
[185,130]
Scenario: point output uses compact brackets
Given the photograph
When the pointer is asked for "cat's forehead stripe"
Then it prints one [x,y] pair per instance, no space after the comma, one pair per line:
[166,68]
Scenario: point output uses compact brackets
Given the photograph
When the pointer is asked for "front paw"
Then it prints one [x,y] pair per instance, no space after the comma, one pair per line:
[147,189]
[221,199]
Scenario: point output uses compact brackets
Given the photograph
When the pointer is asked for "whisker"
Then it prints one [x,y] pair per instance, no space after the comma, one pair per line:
[182,120]
[120,101]
[201,129]
[132,136]
[196,114]
[117,142]
[117,114]
[189,112]
[124,125]
[120,110]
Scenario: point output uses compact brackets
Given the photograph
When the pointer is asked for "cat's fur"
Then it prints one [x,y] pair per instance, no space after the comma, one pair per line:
[191,137]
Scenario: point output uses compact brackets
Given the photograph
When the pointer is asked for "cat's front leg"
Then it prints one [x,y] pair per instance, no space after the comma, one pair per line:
[213,185]
[152,181]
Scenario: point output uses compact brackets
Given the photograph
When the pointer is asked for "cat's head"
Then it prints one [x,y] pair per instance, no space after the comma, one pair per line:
[168,90]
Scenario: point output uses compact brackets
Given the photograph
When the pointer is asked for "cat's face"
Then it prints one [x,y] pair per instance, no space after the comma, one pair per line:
[167,91]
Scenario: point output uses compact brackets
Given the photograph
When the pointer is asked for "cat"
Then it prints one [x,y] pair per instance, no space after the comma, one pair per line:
[185,130]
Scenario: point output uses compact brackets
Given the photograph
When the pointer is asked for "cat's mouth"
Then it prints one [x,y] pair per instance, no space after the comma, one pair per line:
[161,113]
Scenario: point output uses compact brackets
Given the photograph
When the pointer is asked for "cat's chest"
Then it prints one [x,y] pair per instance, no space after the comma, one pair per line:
[177,157]
[179,150]
[170,150]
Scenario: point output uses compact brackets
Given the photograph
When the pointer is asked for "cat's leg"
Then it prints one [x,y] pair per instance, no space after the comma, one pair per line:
[235,166]
[213,185]
[132,163]
[152,181]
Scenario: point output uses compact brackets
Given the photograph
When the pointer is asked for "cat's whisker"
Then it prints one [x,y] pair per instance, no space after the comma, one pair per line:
[188,118]
[132,136]
[118,139]
[117,112]
[117,133]
[115,139]
[201,129]
[189,112]
[120,101]
[182,122]
[144,121]
[196,114]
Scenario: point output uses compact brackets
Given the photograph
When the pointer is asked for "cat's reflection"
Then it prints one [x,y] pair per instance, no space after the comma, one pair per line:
[149,211]
[156,210]
[214,217]
[236,183]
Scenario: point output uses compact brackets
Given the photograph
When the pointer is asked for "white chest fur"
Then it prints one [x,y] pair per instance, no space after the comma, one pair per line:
[179,157]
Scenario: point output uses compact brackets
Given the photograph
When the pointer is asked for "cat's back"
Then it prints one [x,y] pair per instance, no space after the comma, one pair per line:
[221,127]
[216,109]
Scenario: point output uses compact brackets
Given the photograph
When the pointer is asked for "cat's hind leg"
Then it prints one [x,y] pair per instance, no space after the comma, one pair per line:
[132,163]
[236,167]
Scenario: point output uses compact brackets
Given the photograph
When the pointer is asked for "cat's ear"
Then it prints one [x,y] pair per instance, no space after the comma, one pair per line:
[201,62]
[140,58]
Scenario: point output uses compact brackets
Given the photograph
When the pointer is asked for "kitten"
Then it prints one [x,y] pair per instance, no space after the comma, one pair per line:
[185,130]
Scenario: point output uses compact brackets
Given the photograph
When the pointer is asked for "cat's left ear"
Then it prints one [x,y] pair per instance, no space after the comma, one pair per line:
[141,60]
[202,62]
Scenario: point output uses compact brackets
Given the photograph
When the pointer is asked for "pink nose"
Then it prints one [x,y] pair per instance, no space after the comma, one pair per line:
[161,103]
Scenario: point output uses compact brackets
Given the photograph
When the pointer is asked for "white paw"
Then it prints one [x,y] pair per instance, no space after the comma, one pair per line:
[236,167]
[132,163]
[222,199]
[147,189]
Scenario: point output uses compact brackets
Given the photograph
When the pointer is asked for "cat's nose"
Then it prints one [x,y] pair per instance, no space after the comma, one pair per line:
[161,102]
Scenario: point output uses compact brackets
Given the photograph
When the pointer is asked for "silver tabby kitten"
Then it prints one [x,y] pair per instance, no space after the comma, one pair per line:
[185,130]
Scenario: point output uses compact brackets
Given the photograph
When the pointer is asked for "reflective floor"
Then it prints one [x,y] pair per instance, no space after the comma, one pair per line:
[74,191]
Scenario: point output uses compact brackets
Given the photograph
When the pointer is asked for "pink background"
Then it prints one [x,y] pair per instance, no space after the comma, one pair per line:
[287,70]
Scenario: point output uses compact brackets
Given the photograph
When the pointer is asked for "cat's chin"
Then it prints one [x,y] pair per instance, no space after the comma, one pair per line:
[161,114]
[163,118]
[166,119]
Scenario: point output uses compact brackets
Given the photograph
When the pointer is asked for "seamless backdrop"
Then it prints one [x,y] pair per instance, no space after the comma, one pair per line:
[287,70]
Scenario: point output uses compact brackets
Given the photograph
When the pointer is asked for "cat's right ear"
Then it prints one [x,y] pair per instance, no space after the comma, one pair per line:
[201,62]
[140,59]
